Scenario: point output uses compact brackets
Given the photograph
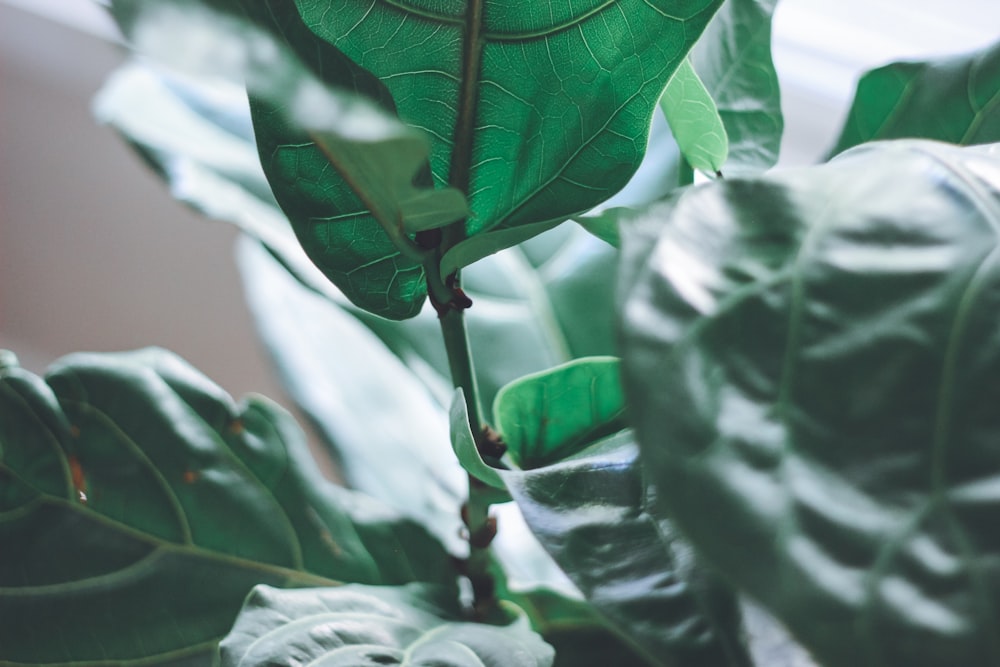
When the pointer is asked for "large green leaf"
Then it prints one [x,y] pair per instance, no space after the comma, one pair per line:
[139,504]
[812,366]
[955,99]
[314,92]
[367,626]
[528,149]
[733,59]
[581,489]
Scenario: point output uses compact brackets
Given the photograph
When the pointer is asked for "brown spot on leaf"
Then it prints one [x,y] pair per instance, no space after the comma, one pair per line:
[236,426]
[191,476]
[79,478]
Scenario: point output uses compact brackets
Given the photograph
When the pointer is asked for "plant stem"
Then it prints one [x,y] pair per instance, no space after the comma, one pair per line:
[476,511]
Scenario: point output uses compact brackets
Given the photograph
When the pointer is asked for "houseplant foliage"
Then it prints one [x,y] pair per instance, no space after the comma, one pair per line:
[801,413]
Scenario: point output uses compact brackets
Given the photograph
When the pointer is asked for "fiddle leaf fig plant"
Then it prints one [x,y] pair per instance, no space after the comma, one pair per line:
[759,433]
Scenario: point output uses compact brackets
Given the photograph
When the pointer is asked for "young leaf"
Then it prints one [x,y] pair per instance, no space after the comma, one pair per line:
[542,416]
[955,99]
[464,445]
[733,59]
[582,491]
[139,505]
[369,626]
[694,120]
[811,363]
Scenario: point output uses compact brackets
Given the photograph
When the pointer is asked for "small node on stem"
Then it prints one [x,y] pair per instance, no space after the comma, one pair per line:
[491,445]
[458,300]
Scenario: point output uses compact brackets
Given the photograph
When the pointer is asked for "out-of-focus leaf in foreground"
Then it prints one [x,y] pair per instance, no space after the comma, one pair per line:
[812,365]
[139,504]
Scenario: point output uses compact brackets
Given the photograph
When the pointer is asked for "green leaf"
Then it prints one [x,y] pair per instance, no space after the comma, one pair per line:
[579,635]
[811,363]
[139,505]
[544,415]
[370,626]
[955,99]
[347,119]
[694,119]
[582,492]
[464,445]
[733,59]
[348,380]
[540,110]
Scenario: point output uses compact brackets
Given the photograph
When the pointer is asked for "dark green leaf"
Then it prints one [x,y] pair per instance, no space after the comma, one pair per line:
[733,59]
[361,626]
[579,635]
[694,119]
[812,366]
[582,492]
[955,99]
[139,505]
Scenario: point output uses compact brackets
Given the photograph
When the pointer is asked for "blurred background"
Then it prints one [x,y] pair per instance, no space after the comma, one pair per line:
[95,255]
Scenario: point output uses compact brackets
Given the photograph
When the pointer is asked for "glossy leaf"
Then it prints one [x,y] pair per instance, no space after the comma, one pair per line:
[694,119]
[954,99]
[582,491]
[811,362]
[733,59]
[348,118]
[139,505]
[373,625]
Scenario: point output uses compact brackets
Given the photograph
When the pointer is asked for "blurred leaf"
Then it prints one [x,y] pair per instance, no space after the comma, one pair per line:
[367,626]
[579,635]
[733,59]
[694,120]
[139,505]
[955,100]
[348,119]
[812,364]
[582,492]
[388,431]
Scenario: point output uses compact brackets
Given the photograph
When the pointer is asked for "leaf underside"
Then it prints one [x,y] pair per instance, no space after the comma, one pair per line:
[526,149]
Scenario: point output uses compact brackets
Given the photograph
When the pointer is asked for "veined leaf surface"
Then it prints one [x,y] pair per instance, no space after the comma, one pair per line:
[139,504]
[812,365]
[369,626]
